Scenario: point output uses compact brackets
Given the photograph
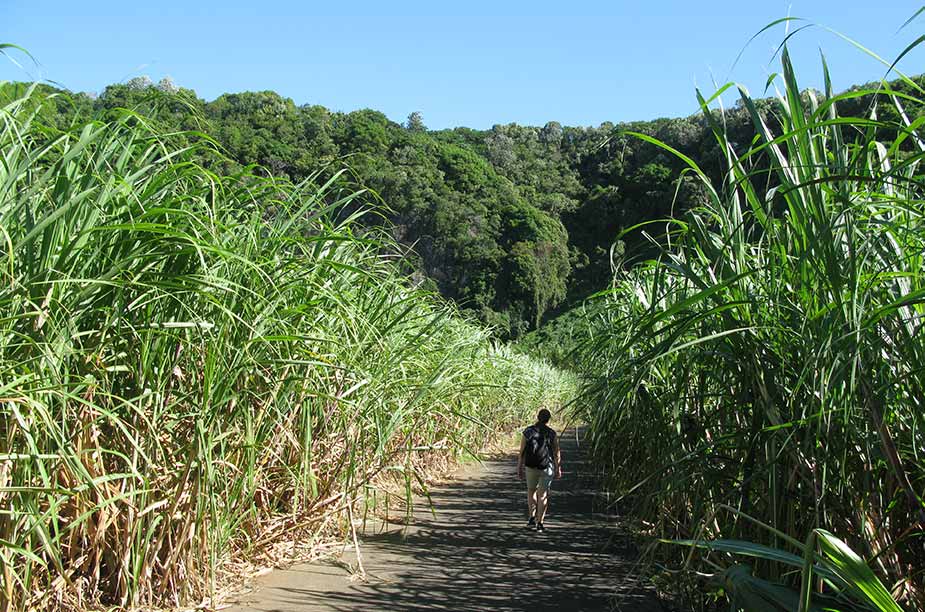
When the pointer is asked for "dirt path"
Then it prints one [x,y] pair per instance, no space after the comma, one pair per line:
[477,555]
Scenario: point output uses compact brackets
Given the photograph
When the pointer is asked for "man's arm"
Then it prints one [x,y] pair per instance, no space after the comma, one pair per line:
[520,457]
[558,458]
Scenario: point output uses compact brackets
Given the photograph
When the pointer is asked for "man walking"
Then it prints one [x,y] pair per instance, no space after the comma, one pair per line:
[541,460]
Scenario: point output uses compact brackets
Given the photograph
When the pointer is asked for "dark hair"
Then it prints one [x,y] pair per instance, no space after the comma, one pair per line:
[543,417]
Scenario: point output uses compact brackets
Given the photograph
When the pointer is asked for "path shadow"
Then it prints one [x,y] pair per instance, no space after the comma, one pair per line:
[476,554]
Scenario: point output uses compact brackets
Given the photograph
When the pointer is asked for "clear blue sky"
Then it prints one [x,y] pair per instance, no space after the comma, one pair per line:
[579,63]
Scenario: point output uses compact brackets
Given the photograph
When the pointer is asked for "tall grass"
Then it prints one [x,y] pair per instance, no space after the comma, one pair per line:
[765,372]
[195,365]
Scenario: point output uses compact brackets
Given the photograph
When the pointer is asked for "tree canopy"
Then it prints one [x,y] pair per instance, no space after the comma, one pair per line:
[514,223]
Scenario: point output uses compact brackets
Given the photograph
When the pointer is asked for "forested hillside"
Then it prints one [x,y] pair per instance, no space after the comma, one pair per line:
[513,223]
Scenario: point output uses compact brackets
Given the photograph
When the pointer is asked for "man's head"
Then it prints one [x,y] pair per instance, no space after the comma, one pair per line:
[543,417]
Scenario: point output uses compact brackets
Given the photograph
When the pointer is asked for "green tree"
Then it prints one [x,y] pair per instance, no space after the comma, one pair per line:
[415,123]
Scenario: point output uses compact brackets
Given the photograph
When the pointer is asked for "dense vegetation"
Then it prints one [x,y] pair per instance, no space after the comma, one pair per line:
[205,350]
[476,237]
[757,386]
[514,223]
[195,365]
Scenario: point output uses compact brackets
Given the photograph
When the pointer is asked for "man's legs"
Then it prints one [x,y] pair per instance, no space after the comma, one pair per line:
[541,499]
[532,482]
[542,496]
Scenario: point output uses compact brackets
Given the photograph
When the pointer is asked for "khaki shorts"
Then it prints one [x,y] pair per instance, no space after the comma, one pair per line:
[539,479]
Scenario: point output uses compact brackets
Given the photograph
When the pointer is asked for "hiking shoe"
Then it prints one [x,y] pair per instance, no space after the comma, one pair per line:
[540,528]
[531,523]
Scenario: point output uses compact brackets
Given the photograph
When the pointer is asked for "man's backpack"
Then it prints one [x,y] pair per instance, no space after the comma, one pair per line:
[537,450]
